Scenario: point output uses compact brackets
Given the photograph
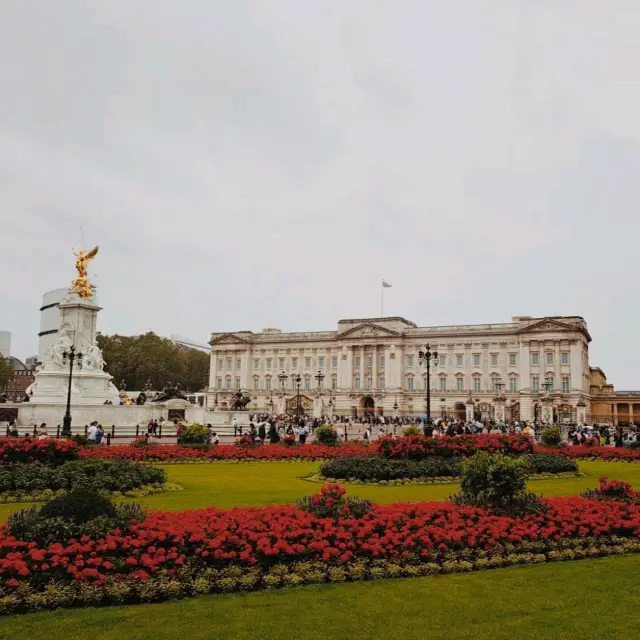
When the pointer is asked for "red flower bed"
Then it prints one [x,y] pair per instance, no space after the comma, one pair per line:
[176,453]
[593,453]
[419,447]
[32,450]
[189,549]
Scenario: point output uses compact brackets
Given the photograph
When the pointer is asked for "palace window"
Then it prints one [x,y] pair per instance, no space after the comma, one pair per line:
[256,363]
[369,383]
[281,363]
[565,383]
[356,382]
[334,362]
[494,359]
[476,359]
[494,383]
[237,383]
[443,361]
[551,382]
[321,362]
[459,384]
[382,360]
[534,358]
[238,363]
[269,363]
[512,359]
[369,361]
[307,363]
[549,357]
[513,384]
[334,381]
[256,383]
[409,361]
[267,383]
[381,382]
[218,383]
[458,360]
[307,383]
[564,357]
[220,363]
[228,363]
[228,383]
[477,383]
[443,383]
[294,363]
[535,383]
[409,384]
[357,361]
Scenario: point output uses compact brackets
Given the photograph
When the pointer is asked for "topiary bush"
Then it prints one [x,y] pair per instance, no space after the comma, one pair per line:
[326,434]
[497,483]
[551,437]
[78,513]
[195,435]
[547,463]
[411,431]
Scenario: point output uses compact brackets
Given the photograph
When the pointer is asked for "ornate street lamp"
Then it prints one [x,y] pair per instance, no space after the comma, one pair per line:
[71,356]
[295,383]
[320,378]
[271,403]
[425,357]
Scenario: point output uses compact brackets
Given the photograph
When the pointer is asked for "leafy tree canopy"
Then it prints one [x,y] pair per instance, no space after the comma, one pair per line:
[6,372]
[138,359]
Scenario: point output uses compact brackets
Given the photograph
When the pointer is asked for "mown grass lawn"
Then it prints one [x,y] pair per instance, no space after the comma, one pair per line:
[260,483]
[582,600]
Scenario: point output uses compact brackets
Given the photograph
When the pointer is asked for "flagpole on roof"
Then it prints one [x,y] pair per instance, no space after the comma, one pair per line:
[382,297]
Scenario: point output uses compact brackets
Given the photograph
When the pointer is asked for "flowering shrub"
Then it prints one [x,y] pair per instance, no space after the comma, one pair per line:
[176,453]
[326,434]
[144,442]
[31,450]
[171,555]
[551,437]
[331,503]
[289,441]
[594,453]
[418,447]
[195,435]
[613,490]
[411,431]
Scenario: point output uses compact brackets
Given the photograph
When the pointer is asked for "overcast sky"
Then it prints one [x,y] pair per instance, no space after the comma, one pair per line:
[263,164]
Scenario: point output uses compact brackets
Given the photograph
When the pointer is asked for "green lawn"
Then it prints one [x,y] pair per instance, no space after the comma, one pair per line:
[229,485]
[584,600]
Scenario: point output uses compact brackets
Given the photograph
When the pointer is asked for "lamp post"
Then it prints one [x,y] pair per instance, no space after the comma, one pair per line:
[295,383]
[71,356]
[319,377]
[271,403]
[425,357]
[282,378]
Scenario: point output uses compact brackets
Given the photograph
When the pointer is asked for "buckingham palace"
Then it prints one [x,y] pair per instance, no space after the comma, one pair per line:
[529,368]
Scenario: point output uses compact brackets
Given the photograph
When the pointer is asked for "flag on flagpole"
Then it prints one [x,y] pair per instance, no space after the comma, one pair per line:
[385,284]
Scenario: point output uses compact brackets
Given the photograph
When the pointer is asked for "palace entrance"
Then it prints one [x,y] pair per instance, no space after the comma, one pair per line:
[459,411]
[368,406]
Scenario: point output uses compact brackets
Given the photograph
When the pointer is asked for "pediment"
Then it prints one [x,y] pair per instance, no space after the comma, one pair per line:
[549,325]
[368,330]
[228,338]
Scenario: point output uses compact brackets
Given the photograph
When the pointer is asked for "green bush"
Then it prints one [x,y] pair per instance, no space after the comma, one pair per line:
[326,434]
[411,431]
[547,463]
[104,475]
[498,483]
[551,437]
[194,435]
[375,468]
[78,513]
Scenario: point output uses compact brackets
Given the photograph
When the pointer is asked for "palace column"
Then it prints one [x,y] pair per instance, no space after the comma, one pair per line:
[615,414]
[630,414]
[374,366]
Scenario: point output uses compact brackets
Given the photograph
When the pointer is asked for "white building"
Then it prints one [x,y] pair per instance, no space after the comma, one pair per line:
[371,364]
[5,344]
[49,320]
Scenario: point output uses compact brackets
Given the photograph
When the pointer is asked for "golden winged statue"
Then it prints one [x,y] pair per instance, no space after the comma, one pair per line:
[81,283]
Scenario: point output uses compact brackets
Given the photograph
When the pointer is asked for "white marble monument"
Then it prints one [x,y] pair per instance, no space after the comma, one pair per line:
[91,385]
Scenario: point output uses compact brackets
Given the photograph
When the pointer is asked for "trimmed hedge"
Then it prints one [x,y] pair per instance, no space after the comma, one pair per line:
[375,468]
[100,475]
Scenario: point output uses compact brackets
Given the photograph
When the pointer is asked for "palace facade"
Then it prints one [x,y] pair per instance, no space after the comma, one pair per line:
[524,369]
[611,407]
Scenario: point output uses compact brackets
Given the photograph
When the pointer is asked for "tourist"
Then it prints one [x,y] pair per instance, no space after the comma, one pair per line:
[92,432]
[214,439]
[303,432]
[99,433]
[274,437]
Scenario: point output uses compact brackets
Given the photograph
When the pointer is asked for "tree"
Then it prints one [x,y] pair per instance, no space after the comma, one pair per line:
[6,372]
[138,359]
